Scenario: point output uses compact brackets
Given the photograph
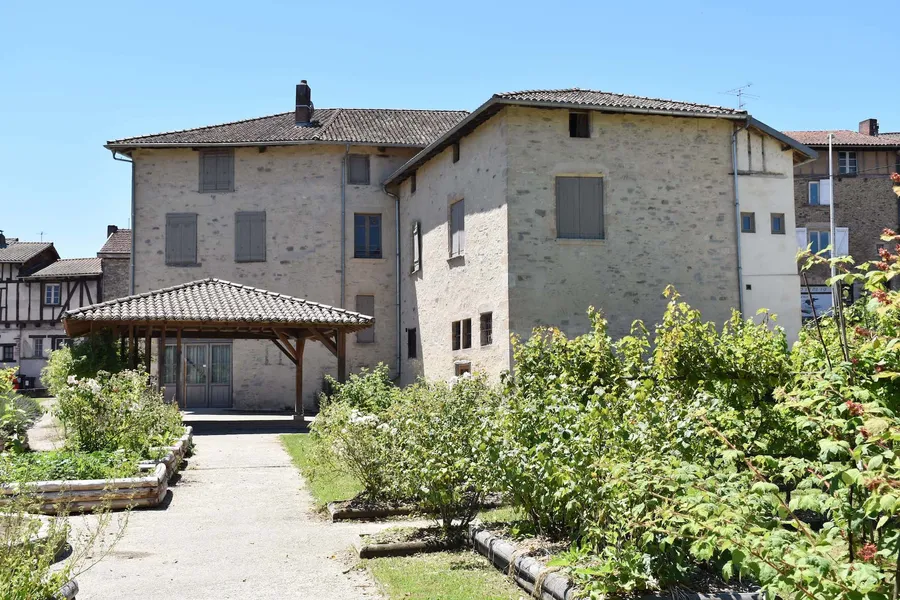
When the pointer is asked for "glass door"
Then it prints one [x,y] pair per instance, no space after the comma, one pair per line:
[196,379]
[220,376]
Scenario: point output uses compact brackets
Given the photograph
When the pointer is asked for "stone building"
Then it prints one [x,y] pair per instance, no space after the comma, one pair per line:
[115,262]
[457,229]
[864,203]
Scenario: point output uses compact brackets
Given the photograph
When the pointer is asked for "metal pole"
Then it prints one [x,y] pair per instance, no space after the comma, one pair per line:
[835,297]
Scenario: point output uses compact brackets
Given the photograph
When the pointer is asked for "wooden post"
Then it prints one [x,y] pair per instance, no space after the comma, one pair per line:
[342,355]
[147,349]
[178,388]
[298,354]
[132,349]
[161,359]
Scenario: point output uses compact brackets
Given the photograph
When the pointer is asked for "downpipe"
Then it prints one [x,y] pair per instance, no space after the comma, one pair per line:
[737,215]
[397,274]
[344,225]
[133,228]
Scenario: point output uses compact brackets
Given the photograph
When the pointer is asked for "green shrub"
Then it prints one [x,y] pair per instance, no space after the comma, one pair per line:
[26,569]
[370,391]
[441,432]
[17,414]
[84,358]
[117,412]
[66,464]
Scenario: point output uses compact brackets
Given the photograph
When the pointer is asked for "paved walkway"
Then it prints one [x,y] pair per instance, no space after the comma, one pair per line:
[239,525]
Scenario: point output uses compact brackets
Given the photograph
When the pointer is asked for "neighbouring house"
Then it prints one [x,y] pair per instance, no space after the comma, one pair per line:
[522,213]
[864,203]
[36,288]
[115,261]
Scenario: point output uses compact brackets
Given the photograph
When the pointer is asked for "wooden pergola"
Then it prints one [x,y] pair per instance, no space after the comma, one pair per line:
[217,309]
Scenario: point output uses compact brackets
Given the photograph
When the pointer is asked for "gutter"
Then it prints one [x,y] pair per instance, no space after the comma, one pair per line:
[737,214]
[397,273]
[133,228]
[343,225]
[115,146]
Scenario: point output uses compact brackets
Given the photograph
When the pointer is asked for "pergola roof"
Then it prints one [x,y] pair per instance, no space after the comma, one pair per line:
[213,305]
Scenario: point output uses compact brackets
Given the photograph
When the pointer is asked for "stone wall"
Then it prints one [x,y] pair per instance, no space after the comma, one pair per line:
[116,282]
[299,187]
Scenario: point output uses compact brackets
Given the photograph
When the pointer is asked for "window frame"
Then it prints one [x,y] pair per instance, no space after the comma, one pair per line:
[217,187]
[35,343]
[250,214]
[752,216]
[462,367]
[579,124]
[11,349]
[817,233]
[412,343]
[46,291]
[809,193]
[772,217]
[466,334]
[368,177]
[58,342]
[461,237]
[845,157]
[367,253]
[456,335]
[181,217]
[486,328]
[416,247]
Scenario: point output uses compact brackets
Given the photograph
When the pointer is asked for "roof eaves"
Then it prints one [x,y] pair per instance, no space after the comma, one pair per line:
[784,139]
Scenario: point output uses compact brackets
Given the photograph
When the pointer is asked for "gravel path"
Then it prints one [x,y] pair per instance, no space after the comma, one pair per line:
[239,525]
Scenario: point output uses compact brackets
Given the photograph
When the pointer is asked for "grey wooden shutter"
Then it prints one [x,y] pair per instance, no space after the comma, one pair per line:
[358,169]
[217,170]
[590,196]
[366,305]
[567,206]
[457,228]
[250,236]
[181,239]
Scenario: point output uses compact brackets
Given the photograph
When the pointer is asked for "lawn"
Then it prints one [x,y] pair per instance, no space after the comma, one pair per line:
[442,576]
[326,483]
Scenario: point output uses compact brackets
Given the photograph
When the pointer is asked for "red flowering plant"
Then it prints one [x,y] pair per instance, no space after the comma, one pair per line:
[895,178]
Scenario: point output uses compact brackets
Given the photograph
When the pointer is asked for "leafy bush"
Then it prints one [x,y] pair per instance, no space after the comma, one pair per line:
[66,464]
[84,358]
[17,413]
[441,432]
[117,412]
[370,391]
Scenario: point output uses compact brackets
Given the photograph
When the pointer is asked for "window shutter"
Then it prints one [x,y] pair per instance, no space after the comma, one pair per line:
[358,169]
[258,237]
[567,207]
[802,238]
[173,240]
[250,236]
[225,172]
[241,237]
[457,228]
[189,240]
[590,200]
[207,171]
[825,192]
[841,238]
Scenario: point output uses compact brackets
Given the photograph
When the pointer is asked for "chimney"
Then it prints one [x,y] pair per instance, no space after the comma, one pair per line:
[111,229]
[304,108]
[2,240]
[869,127]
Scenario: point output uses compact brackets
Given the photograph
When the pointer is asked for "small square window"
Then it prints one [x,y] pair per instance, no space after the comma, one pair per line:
[52,294]
[778,223]
[456,335]
[411,343]
[579,125]
[461,368]
[467,333]
[60,342]
[7,353]
[487,328]
[748,222]
[358,169]
[814,193]
[412,183]
[456,152]
[847,163]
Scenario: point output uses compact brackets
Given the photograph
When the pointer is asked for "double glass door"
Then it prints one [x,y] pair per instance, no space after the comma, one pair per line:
[207,374]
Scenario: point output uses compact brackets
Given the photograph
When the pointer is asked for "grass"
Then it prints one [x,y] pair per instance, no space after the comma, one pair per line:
[503,514]
[442,576]
[326,483]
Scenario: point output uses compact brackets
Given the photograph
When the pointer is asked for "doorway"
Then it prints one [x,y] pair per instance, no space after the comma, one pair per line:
[207,372]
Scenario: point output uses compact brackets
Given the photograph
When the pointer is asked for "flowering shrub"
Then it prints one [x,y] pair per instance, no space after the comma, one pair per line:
[116,412]
[84,358]
[17,413]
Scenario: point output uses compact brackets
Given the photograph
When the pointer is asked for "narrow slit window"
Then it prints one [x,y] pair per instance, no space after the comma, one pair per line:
[487,329]
[456,152]
[778,223]
[748,222]
[456,335]
[467,333]
[411,343]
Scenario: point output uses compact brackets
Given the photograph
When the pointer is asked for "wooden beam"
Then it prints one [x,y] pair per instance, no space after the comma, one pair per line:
[132,348]
[287,342]
[147,350]
[298,382]
[326,341]
[161,359]
[179,392]
[342,355]
[285,351]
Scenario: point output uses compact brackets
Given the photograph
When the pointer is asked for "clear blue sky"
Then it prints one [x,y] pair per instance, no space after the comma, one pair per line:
[75,74]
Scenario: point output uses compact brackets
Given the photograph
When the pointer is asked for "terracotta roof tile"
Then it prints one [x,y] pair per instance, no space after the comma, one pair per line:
[844,137]
[595,98]
[219,301]
[69,267]
[118,243]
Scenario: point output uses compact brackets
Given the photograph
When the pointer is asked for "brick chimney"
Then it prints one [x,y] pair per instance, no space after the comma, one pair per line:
[304,106]
[111,229]
[869,127]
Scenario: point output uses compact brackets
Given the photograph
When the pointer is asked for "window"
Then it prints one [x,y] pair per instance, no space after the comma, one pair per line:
[38,347]
[7,355]
[487,328]
[579,125]
[778,223]
[52,293]
[358,169]
[366,305]
[461,368]
[456,152]
[814,193]
[579,208]
[367,236]
[412,183]
[416,244]
[456,335]
[467,333]
[819,240]
[458,228]
[169,367]
[59,342]
[411,343]
[748,222]
[847,163]
[181,239]
[250,236]
[217,170]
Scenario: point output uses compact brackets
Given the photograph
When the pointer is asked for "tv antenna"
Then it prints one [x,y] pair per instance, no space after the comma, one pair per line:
[42,235]
[741,93]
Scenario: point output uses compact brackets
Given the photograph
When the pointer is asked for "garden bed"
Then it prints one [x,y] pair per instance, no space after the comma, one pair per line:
[85,495]
[405,541]
[360,509]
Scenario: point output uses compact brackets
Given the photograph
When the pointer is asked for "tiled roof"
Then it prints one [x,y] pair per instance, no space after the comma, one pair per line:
[69,267]
[19,252]
[845,137]
[219,301]
[594,98]
[118,243]
[330,125]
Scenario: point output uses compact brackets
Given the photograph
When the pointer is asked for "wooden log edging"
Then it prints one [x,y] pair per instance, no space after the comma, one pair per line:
[405,548]
[84,495]
[68,591]
[339,512]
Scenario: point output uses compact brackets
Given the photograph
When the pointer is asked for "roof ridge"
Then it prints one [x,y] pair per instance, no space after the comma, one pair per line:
[593,91]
